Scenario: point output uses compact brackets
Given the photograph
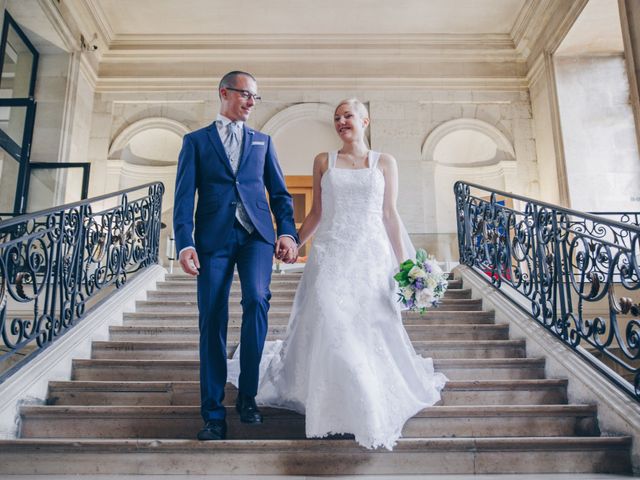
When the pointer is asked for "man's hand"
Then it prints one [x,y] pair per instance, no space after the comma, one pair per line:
[189,261]
[286,249]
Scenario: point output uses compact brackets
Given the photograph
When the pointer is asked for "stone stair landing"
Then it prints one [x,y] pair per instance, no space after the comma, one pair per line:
[133,406]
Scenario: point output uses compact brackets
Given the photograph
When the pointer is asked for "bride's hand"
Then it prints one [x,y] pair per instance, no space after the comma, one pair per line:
[286,249]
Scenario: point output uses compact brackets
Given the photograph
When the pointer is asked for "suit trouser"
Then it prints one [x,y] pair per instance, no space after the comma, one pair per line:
[253,258]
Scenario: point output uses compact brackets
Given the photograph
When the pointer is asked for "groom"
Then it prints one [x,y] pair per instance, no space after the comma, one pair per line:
[229,166]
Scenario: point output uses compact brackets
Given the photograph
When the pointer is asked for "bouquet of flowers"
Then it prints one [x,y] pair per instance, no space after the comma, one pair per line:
[422,282]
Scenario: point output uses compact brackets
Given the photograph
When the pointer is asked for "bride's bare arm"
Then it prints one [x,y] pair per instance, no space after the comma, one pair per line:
[312,220]
[391,217]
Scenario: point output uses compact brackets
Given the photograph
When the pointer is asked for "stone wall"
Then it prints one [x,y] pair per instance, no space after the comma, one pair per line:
[598,130]
[401,122]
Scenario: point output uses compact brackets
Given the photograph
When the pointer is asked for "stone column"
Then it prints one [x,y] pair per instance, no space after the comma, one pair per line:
[630,23]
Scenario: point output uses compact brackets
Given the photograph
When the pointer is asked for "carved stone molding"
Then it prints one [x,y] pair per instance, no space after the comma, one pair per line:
[528,27]
[551,26]
[485,42]
[268,80]
[100,18]
[536,72]
[59,25]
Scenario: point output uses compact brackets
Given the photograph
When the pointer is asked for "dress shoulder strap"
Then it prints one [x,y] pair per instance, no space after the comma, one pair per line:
[333,156]
[373,159]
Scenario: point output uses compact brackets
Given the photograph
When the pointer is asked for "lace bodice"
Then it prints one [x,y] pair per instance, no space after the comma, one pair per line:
[350,196]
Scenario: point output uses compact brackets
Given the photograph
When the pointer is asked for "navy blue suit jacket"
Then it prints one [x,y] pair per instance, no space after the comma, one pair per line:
[203,167]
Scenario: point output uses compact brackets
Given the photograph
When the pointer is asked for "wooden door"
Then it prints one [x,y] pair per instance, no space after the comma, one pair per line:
[301,189]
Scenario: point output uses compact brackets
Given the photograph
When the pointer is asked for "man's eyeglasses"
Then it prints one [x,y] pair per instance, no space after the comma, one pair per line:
[246,94]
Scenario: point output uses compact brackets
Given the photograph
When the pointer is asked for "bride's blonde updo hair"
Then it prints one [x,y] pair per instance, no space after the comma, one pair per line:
[356,104]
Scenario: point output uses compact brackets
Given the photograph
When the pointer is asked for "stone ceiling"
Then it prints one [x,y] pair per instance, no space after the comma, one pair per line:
[308,17]
[184,44]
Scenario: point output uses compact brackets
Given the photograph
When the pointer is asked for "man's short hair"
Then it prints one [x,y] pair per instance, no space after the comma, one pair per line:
[229,79]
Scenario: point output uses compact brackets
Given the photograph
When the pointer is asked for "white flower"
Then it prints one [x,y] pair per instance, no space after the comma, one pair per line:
[424,298]
[406,292]
[417,272]
[431,283]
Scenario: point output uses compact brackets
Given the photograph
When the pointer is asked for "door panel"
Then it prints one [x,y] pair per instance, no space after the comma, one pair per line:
[301,189]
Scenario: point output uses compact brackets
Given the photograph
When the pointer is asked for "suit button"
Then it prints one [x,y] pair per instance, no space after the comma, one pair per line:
[237,182]
[233,204]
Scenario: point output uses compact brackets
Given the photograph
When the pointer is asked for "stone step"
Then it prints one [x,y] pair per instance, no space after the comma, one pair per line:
[415,331]
[280,318]
[453,317]
[189,350]
[191,296]
[192,287]
[184,421]
[188,370]
[192,307]
[181,334]
[191,318]
[505,392]
[184,287]
[311,457]
[480,349]
[275,280]
[276,283]
[164,306]
[181,277]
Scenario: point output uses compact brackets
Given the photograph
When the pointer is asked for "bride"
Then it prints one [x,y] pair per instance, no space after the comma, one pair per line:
[346,362]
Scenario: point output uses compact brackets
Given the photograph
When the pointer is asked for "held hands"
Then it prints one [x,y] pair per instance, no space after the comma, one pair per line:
[189,261]
[286,249]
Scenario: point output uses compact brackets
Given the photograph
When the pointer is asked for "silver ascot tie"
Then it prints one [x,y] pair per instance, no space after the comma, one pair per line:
[232,146]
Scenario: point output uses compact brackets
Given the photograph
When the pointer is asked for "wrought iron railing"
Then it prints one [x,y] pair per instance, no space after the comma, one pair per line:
[632,218]
[55,263]
[628,218]
[573,272]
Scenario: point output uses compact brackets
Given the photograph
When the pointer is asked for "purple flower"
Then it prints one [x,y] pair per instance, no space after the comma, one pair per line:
[419,284]
[427,267]
[410,303]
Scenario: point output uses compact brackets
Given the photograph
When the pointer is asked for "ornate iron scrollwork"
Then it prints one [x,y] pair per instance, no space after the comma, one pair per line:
[566,265]
[53,262]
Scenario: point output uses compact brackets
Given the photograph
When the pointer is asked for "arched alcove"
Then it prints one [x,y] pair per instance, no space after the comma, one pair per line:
[153,147]
[138,133]
[299,133]
[147,151]
[469,150]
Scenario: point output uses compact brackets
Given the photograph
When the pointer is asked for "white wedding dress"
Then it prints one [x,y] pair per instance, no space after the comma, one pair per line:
[346,362]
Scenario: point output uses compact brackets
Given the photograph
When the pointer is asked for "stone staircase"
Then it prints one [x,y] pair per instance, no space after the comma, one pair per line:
[133,407]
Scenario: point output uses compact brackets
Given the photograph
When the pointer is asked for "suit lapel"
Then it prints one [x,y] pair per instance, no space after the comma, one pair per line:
[214,138]
[247,140]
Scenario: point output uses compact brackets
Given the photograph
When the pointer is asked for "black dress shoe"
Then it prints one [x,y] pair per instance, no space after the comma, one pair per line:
[248,410]
[213,430]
